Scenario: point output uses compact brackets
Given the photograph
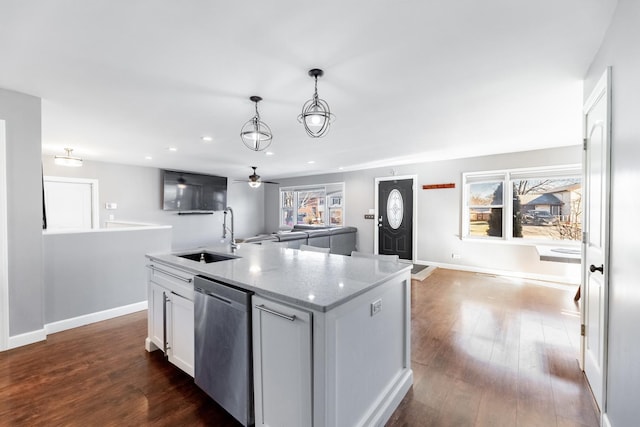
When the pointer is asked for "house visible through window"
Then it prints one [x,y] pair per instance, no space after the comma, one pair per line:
[321,205]
[543,204]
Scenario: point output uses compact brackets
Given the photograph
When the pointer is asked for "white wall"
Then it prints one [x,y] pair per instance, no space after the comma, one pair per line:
[24,210]
[620,50]
[438,219]
[138,192]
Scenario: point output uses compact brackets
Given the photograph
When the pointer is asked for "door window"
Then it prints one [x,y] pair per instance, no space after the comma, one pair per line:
[395,209]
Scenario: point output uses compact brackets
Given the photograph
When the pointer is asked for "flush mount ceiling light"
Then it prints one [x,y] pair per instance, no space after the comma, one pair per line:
[255,134]
[316,115]
[68,160]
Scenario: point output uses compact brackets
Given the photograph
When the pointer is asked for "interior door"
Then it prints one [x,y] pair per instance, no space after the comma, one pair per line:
[70,203]
[395,217]
[595,241]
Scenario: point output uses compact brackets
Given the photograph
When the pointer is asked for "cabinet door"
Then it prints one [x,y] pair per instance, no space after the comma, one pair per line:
[155,315]
[281,364]
[181,332]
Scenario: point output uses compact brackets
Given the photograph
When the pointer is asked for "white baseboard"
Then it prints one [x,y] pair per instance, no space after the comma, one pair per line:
[149,345]
[521,275]
[27,338]
[62,325]
[99,316]
[391,400]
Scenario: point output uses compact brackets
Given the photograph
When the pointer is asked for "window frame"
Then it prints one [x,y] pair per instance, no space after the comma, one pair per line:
[327,205]
[507,176]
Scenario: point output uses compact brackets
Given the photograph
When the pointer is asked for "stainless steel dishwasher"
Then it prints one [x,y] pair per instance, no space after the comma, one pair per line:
[223,359]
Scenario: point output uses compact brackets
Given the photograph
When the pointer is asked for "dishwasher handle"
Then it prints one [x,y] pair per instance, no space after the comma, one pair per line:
[262,307]
[211,294]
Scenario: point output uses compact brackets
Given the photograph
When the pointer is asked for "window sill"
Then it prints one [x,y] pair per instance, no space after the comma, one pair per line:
[528,242]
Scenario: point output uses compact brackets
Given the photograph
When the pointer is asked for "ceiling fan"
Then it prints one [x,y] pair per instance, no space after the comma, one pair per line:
[254,179]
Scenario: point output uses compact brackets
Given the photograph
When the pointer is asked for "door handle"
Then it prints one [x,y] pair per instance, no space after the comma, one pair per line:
[184,279]
[262,307]
[380,221]
[593,269]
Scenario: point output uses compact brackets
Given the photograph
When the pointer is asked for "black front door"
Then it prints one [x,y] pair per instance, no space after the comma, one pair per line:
[395,218]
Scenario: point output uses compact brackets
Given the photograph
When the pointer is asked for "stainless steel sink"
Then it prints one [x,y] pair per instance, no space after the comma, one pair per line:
[207,257]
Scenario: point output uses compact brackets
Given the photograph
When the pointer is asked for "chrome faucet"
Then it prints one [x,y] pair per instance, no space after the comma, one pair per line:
[234,245]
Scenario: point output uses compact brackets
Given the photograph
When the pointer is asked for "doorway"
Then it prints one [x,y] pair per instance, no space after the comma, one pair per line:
[71,203]
[396,210]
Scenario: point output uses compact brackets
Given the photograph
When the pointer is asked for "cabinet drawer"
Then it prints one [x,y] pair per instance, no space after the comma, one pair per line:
[173,279]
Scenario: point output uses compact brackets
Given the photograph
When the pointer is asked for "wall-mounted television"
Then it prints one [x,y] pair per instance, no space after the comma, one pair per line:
[193,192]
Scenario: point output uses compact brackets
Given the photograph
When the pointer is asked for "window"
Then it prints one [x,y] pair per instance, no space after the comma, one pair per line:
[312,205]
[544,204]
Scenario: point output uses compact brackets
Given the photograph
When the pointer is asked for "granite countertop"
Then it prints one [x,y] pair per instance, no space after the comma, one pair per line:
[308,279]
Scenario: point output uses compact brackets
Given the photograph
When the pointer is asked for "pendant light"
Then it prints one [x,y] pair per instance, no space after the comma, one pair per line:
[255,134]
[316,115]
[68,160]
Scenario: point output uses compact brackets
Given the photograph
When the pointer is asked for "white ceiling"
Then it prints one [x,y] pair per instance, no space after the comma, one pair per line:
[407,80]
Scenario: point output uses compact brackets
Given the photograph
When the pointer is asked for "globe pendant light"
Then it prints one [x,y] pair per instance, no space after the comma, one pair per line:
[316,115]
[255,134]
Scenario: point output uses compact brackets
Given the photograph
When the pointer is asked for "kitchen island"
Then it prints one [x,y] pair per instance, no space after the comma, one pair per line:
[335,353]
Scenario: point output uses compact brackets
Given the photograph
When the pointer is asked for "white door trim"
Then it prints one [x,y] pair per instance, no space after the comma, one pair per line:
[414,225]
[4,248]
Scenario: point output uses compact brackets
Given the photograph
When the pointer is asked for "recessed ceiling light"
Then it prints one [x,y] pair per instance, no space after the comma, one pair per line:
[207,138]
[341,168]
[311,162]
[173,149]
[148,158]
[269,153]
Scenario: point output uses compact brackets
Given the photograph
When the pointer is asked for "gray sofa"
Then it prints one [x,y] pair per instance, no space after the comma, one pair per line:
[340,240]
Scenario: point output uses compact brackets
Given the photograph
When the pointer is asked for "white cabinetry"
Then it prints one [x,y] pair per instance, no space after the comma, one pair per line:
[348,366]
[170,318]
[282,350]
[155,316]
[180,348]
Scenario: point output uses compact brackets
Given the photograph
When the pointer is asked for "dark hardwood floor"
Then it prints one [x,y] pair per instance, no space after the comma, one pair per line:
[494,351]
[486,351]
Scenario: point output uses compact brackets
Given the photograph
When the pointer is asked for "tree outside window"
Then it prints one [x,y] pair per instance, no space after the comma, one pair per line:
[485,209]
[550,208]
